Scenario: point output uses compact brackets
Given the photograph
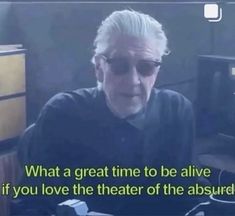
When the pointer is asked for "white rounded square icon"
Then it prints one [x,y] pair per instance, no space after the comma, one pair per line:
[211,11]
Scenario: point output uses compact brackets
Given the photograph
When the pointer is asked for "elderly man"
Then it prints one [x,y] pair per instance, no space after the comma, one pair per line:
[124,122]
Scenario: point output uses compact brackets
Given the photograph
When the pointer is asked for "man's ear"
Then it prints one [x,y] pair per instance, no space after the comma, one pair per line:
[98,69]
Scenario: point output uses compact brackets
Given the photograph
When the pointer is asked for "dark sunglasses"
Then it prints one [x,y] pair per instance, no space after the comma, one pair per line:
[121,65]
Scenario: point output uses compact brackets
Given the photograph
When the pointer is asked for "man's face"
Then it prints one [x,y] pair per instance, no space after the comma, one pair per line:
[128,74]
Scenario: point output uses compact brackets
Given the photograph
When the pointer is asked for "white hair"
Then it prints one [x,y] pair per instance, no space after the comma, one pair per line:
[131,23]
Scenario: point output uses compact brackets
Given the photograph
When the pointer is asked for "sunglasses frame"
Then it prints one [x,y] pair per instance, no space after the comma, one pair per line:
[156,64]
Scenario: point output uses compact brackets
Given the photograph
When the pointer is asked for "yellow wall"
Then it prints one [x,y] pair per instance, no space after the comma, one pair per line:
[12,81]
[12,74]
[12,117]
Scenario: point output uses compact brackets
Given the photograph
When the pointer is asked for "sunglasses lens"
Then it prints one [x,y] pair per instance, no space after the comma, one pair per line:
[119,66]
[146,68]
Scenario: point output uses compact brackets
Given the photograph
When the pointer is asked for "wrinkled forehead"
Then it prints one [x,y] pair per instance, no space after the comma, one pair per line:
[134,47]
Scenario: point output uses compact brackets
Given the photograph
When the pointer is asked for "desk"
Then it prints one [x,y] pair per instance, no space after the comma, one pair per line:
[218,161]
[218,153]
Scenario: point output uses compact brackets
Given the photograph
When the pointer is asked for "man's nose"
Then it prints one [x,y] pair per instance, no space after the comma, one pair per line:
[133,76]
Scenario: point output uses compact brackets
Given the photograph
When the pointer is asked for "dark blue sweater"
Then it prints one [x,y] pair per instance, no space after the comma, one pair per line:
[76,129]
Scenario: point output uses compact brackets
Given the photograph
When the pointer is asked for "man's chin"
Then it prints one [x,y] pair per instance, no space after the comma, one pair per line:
[130,110]
[125,107]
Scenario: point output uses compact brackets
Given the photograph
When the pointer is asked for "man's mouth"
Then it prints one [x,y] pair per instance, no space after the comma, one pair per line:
[130,95]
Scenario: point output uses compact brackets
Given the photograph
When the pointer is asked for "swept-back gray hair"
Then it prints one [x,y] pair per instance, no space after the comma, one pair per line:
[131,23]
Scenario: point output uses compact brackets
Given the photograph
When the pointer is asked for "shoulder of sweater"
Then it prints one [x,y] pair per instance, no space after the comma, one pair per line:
[72,98]
[170,97]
